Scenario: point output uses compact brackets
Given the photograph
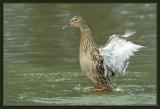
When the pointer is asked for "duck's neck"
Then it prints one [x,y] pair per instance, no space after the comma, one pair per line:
[86,39]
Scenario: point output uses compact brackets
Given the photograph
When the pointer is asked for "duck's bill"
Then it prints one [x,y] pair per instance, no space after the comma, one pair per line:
[65,27]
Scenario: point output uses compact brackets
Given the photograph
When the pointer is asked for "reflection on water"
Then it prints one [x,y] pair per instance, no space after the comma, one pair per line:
[41,65]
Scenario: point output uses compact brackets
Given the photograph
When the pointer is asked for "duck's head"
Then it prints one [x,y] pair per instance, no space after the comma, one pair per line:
[75,21]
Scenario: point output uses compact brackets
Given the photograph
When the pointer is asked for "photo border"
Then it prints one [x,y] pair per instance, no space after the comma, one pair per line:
[80,1]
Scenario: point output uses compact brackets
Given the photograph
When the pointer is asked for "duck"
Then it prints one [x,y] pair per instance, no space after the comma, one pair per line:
[101,63]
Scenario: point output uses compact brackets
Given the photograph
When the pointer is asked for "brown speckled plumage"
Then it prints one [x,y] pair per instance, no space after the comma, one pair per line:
[90,60]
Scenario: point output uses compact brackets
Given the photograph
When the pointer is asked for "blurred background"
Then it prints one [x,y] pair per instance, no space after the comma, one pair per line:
[41,62]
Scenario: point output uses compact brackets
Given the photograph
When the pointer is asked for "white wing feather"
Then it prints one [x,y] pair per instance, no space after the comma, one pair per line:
[116,52]
[128,33]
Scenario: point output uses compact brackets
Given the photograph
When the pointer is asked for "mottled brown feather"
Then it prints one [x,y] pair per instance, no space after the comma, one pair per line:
[91,62]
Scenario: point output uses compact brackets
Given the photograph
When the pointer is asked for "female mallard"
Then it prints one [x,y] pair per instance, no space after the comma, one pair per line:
[96,62]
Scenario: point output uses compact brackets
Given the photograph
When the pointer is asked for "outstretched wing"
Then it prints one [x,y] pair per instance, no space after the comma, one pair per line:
[116,53]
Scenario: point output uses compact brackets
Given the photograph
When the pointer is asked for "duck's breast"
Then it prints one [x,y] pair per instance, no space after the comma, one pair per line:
[90,65]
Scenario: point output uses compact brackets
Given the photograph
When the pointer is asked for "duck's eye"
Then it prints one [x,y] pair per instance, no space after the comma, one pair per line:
[75,19]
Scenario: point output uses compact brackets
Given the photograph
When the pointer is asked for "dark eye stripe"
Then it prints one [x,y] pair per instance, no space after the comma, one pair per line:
[74,20]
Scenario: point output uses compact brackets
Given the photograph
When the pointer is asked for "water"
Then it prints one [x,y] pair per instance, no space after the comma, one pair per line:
[41,64]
